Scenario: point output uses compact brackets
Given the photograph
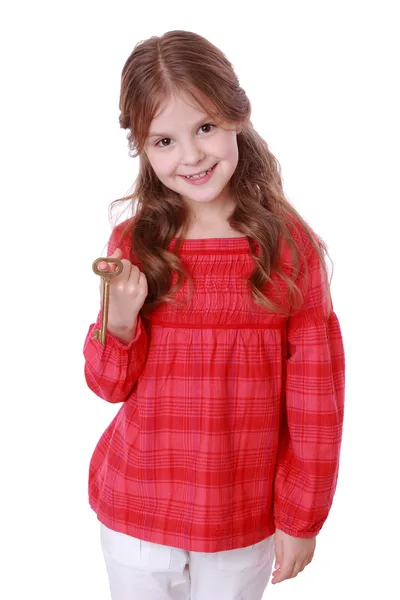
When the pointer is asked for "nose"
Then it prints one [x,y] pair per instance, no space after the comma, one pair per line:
[192,154]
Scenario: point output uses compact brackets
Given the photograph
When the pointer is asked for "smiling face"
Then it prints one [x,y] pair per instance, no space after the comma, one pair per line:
[183,140]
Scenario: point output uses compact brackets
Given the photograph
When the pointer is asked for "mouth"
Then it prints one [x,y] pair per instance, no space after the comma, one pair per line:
[198,176]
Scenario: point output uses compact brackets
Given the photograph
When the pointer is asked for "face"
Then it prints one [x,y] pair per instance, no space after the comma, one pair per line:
[183,140]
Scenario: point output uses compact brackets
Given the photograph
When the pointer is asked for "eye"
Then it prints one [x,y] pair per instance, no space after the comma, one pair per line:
[207,125]
[164,139]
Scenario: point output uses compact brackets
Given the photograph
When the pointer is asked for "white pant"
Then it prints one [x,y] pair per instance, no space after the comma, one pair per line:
[139,570]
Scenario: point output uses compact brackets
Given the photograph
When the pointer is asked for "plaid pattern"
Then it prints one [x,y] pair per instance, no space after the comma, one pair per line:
[231,415]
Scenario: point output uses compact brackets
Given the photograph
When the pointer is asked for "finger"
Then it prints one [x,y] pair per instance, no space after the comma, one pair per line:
[303,564]
[285,572]
[298,567]
[143,283]
[278,553]
[134,274]
[309,559]
[278,559]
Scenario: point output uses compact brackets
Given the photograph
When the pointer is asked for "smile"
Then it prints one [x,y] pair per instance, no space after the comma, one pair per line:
[201,177]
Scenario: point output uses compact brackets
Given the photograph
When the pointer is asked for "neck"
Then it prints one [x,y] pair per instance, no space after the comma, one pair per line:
[210,213]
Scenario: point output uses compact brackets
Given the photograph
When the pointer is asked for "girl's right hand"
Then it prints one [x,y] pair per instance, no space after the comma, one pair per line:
[128,291]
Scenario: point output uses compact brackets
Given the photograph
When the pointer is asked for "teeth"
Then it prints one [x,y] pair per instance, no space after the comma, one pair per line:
[198,176]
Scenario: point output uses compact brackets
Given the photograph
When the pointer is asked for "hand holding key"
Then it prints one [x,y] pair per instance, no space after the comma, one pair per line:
[123,292]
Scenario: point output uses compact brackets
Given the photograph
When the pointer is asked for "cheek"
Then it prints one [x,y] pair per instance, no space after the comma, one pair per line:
[230,157]
[227,147]
[161,165]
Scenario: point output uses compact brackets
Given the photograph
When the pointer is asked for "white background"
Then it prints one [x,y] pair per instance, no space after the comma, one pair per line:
[321,77]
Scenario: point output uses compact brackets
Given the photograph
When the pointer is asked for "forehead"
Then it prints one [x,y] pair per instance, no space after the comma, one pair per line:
[176,111]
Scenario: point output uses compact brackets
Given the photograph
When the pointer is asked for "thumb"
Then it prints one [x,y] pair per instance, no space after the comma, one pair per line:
[116,254]
[105,266]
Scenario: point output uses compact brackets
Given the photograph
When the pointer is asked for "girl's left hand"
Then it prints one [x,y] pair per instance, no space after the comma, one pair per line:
[292,554]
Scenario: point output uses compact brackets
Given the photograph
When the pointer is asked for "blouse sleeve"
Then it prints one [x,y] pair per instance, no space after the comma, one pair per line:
[308,458]
[113,369]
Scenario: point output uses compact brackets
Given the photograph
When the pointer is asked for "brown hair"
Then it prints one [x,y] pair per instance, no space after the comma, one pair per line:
[182,61]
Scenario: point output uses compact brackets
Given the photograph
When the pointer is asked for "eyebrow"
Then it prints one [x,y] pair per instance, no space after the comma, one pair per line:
[163,135]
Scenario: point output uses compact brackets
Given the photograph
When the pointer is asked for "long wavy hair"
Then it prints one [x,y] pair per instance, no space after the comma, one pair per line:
[182,61]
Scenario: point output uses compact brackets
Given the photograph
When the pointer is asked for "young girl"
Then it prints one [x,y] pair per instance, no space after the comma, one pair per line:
[222,348]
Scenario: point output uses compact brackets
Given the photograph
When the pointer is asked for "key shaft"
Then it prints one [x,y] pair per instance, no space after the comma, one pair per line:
[100,334]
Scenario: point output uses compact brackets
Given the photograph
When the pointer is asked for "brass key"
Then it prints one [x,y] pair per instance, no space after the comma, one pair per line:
[100,334]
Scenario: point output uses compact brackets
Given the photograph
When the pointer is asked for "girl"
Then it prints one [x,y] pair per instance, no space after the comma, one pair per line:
[222,348]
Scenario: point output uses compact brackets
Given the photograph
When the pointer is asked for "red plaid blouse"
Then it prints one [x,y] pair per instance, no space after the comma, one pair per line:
[231,416]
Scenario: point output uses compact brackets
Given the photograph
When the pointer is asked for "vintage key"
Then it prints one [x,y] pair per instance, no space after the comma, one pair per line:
[100,334]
